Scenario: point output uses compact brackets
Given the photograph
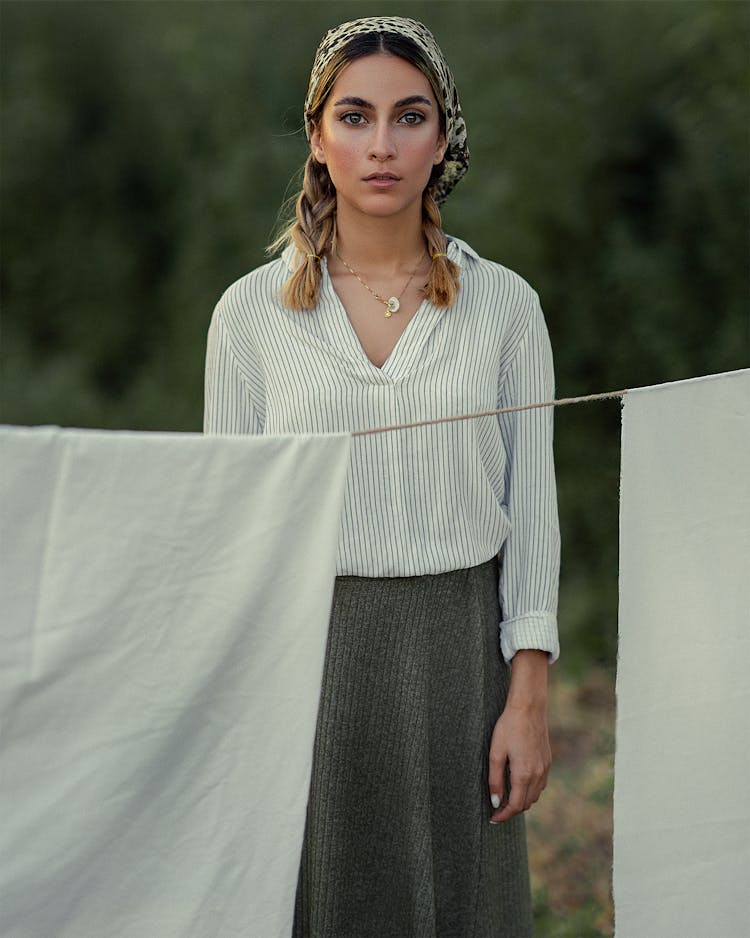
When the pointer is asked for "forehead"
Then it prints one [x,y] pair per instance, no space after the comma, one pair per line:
[382,78]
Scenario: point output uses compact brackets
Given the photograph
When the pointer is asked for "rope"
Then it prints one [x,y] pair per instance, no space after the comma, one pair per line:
[560,402]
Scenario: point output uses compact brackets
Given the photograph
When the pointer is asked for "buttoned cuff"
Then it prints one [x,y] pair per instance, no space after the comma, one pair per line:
[536,630]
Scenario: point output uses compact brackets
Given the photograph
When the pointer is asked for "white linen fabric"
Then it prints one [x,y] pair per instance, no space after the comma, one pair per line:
[165,612]
[424,500]
[681,811]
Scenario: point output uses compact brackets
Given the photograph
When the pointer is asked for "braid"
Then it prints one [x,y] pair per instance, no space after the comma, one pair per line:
[311,233]
[443,282]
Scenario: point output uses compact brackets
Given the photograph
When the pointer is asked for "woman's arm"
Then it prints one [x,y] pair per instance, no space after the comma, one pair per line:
[520,740]
[520,749]
[531,554]
[232,403]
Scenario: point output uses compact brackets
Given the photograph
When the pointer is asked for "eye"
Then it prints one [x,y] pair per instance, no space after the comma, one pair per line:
[412,117]
[355,118]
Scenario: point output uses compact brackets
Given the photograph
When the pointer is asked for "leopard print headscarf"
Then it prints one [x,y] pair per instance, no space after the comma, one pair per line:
[456,160]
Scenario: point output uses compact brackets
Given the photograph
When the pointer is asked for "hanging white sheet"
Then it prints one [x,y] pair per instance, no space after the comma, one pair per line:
[165,601]
[682,766]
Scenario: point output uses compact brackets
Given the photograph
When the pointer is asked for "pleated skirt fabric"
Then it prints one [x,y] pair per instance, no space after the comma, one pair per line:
[398,842]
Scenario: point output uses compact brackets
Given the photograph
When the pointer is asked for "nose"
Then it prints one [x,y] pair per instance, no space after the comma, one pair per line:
[382,146]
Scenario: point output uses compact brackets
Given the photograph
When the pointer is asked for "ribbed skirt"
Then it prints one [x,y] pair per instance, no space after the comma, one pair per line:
[398,842]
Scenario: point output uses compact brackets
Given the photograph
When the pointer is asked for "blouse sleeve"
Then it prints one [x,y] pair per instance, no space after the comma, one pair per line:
[530,559]
[233,402]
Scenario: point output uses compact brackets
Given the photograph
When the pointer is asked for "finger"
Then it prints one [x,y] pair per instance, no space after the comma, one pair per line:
[534,791]
[538,782]
[498,761]
[516,803]
[533,784]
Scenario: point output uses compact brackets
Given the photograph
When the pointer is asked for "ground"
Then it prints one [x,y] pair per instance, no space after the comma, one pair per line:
[570,828]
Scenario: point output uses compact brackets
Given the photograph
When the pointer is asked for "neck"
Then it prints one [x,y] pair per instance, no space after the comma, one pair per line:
[388,244]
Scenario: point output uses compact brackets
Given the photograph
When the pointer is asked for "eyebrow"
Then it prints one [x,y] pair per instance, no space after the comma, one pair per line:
[404,102]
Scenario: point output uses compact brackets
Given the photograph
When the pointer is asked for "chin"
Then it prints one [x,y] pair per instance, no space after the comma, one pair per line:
[386,204]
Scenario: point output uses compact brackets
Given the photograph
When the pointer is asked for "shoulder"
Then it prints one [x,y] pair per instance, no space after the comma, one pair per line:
[253,295]
[490,285]
[477,268]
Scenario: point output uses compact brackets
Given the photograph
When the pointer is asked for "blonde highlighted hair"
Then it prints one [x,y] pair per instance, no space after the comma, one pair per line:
[312,230]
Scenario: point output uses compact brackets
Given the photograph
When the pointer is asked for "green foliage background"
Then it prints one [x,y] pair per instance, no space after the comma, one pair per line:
[147,147]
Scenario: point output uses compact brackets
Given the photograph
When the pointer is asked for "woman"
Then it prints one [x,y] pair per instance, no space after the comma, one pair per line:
[429,745]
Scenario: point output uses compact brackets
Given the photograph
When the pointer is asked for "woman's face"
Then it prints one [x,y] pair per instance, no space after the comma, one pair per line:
[379,135]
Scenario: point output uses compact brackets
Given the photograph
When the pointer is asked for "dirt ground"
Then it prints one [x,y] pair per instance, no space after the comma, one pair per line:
[570,828]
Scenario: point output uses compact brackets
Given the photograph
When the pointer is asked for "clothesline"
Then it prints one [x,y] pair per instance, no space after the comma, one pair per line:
[560,402]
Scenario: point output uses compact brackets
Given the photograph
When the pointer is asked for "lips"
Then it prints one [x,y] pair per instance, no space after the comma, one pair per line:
[384,177]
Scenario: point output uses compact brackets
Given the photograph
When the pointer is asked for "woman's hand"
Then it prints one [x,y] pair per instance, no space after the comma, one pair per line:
[520,739]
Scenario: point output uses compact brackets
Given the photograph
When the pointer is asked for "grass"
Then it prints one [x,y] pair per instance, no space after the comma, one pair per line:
[570,828]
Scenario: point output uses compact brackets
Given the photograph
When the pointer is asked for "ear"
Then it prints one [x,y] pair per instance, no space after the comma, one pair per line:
[440,149]
[316,146]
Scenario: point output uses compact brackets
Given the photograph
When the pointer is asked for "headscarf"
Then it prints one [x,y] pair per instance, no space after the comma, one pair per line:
[456,159]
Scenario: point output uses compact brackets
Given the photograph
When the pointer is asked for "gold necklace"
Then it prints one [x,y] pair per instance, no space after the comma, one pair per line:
[393,303]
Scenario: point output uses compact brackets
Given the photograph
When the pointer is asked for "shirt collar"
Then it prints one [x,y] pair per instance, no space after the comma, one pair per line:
[459,250]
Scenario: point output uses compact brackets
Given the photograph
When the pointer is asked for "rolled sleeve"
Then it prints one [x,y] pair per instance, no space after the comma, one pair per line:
[530,557]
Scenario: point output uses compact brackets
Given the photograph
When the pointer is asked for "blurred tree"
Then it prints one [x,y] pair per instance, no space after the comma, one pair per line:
[147,147]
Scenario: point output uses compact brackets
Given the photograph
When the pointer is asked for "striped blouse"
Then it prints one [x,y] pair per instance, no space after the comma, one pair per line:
[422,500]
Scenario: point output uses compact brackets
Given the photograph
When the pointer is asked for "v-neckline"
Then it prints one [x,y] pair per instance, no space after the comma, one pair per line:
[354,340]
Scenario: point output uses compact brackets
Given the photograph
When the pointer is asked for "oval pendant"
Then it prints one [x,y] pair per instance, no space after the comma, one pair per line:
[393,304]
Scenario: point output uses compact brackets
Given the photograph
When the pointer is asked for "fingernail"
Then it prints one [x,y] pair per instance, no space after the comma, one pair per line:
[495,801]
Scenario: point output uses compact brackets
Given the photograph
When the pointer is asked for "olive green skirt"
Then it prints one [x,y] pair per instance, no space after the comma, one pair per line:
[398,842]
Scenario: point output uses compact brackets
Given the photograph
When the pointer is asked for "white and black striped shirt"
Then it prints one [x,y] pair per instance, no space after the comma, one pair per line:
[423,500]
